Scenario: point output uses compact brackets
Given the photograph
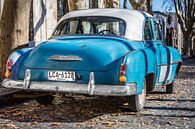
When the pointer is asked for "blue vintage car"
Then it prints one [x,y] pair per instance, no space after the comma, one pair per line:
[106,52]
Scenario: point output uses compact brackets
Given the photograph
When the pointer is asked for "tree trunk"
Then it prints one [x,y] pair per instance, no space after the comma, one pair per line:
[109,3]
[1,7]
[6,27]
[187,43]
[186,20]
[125,4]
[82,4]
[76,5]
[21,23]
[72,5]
[193,40]
[14,27]
[193,46]
[149,6]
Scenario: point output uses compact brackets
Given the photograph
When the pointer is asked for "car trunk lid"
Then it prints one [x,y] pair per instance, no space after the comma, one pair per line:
[78,53]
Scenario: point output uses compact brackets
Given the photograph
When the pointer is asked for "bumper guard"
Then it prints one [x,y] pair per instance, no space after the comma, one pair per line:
[91,88]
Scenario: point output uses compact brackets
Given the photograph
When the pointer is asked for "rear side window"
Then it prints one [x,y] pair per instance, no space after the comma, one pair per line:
[148,31]
[157,31]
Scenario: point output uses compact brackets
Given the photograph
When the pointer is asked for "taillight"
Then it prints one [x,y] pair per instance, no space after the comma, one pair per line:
[8,69]
[7,74]
[12,59]
[9,64]
[123,69]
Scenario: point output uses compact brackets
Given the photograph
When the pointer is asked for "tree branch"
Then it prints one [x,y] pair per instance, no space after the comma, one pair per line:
[185,10]
[179,15]
[192,8]
[181,10]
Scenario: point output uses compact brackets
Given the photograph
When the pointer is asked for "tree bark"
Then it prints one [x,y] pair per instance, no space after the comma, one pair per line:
[187,43]
[81,4]
[6,27]
[186,21]
[72,5]
[193,45]
[149,6]
[1,7]
[109,3]
[14,28]
[193,40]
[125,4]
[21,23]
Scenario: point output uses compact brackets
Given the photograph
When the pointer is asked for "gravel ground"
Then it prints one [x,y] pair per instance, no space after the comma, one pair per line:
[163,111]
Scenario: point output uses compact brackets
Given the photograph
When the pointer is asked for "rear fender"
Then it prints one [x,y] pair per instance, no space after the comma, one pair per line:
[17,57]
[139,64]
[175,64]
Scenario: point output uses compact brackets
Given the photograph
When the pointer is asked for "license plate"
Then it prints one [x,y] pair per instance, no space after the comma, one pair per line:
[61,76]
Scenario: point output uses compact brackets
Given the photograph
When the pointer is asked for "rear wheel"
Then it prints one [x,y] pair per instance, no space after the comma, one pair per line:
[137,102]
[45,100]
[170,88]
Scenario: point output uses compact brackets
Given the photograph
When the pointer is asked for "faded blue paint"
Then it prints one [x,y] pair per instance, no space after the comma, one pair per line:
[102,55]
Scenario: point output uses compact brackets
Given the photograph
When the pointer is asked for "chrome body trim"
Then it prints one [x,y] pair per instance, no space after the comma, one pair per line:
[66,87]
[65,58]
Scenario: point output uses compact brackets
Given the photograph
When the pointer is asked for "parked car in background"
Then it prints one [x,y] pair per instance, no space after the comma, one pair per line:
[105,52]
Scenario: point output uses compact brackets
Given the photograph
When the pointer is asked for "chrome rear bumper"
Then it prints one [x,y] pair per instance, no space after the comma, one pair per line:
[91,88]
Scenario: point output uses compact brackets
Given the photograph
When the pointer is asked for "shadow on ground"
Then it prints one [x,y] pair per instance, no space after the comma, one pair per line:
[82,108]
[73,110]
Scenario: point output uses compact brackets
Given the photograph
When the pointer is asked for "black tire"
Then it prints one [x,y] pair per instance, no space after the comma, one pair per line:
[45,100]
[136,103]
[170,88]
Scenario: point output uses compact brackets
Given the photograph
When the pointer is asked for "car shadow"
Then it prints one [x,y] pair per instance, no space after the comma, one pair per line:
[172,100]
[72,110]
[81,109]
[157,92]
[173,115]
[10,101]
[170,108]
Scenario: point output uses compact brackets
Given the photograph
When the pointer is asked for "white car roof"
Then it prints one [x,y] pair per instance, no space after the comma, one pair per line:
[134,19]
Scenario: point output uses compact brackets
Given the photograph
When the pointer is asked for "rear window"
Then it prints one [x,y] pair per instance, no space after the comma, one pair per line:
[91,26]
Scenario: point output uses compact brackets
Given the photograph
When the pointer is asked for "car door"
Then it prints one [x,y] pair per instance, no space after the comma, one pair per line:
[154,41]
